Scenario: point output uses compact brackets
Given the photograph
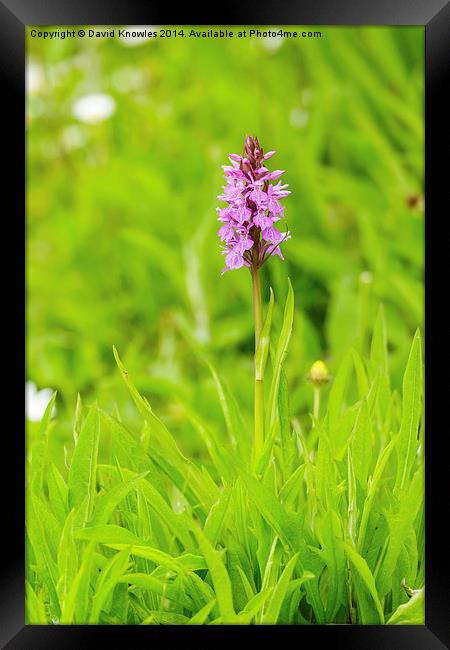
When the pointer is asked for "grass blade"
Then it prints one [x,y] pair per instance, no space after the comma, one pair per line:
[270,615]
[366,576]
[280,354]
[219,576]
[83,468]
[411,414]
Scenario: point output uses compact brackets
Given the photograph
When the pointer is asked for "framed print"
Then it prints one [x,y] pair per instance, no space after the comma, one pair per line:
[225,326]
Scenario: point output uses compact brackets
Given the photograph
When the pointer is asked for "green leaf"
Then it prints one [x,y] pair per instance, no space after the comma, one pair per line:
[44,548]
[378,472]
[264,342]
[219,576]
[124,447]
[109,577]
[34,607]
[142,403]
[83,468]
[366,576]
[216,517]
[106,504]
[67,559]
[362,444]
[78,421]
[289,451]
[77,602]
[282,592]
[411,414]
[253,606]
[159,506]
[271,613]
[329,532]
[400,520]
[108,534]
[361,375]
[40,449]
[57,493]
[293,486]
[165,618]
[412,612]
[325,471]
[160,587]
[285,525]
[379,359]
[118,538]
[201,616]
[269,563]
[249,591]
[280,354]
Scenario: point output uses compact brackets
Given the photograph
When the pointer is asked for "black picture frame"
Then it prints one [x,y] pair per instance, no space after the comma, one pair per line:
[434,15]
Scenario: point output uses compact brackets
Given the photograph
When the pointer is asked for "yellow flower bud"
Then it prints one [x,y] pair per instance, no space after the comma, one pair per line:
[319,375]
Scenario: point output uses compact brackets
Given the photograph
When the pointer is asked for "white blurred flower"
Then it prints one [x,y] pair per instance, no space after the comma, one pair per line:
[34,78]
[298,118]
[36,401]
[135,35]
[94,108]
[272,43]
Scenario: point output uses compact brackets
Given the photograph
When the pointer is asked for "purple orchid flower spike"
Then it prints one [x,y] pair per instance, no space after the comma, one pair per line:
[248,233]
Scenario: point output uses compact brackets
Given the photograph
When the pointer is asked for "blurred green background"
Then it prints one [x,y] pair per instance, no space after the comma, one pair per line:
[125,142]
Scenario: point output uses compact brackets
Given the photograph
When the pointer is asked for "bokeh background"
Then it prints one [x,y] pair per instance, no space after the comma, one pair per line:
[125,142]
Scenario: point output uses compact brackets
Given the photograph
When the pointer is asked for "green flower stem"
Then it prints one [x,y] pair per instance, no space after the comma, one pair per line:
[259,383]
[316,401]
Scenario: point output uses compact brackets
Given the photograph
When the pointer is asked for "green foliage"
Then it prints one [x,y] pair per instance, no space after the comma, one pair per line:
[325,538]
[412,612]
